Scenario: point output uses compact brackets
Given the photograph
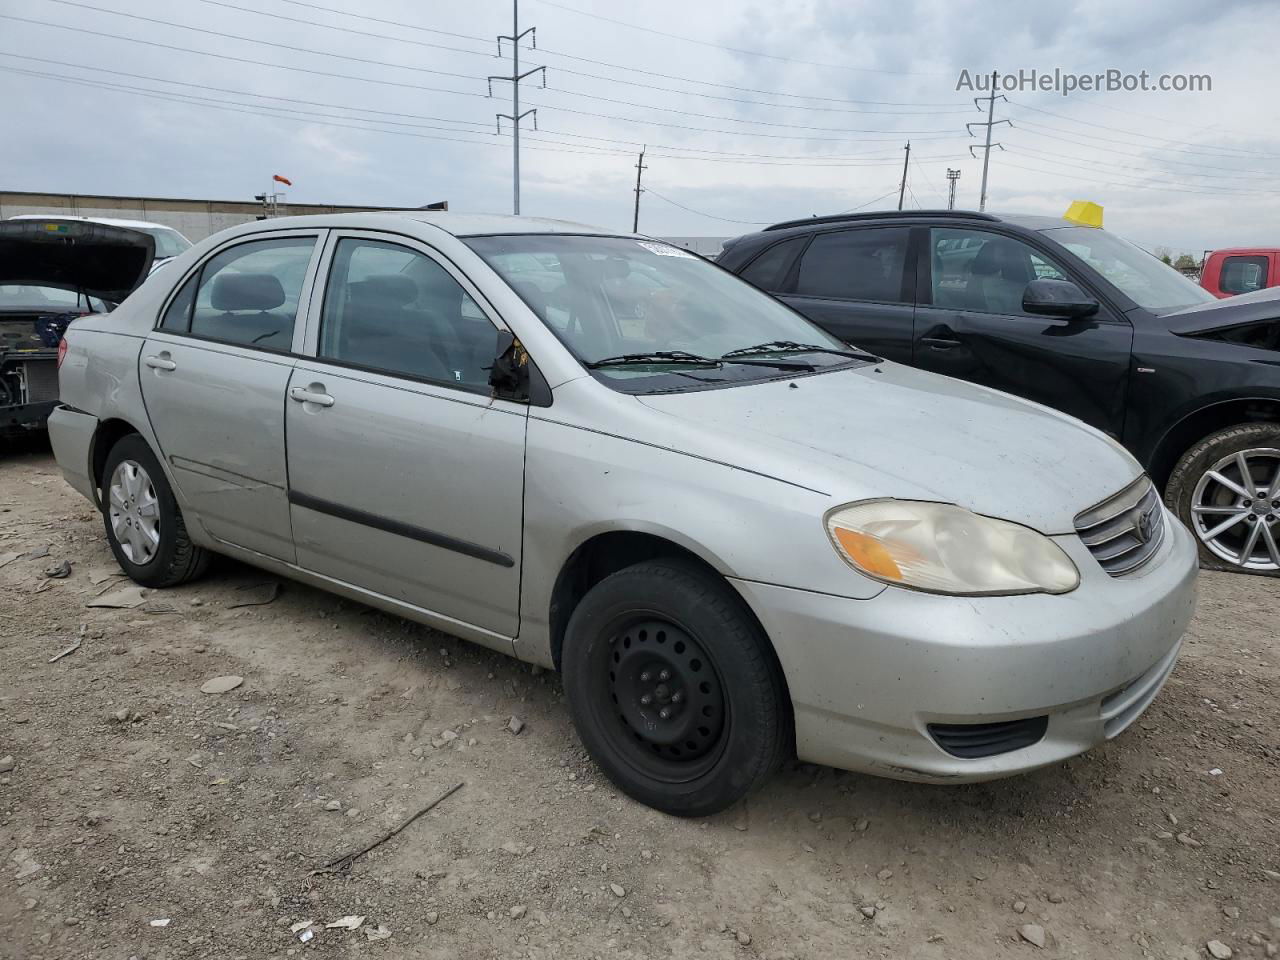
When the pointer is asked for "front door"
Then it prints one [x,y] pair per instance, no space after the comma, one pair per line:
[406,477]
[970,324]
[214,375]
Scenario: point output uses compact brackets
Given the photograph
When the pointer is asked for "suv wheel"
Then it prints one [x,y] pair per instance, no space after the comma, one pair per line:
[1227,490]
[144,526]
[673,688]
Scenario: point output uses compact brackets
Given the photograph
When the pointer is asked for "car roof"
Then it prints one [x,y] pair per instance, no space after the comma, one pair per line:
[109,221]
[481,224]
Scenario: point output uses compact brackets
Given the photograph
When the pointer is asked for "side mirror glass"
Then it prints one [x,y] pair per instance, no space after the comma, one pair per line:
[1057,298]
[509,375]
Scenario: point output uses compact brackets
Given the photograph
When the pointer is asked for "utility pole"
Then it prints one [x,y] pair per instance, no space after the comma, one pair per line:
[515,116]
[640,168]
[991,122]
[902,188]
[953,176]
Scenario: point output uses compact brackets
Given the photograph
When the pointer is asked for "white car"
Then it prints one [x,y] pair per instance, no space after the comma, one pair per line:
[169,242]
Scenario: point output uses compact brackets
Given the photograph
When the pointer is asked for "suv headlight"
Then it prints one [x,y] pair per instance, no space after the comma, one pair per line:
[943,548]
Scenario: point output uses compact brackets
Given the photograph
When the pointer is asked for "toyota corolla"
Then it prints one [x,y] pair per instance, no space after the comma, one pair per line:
[737,537]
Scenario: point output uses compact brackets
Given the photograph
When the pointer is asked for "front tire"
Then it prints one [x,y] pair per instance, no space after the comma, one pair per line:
[673,688]
[144,525]
[1226,489]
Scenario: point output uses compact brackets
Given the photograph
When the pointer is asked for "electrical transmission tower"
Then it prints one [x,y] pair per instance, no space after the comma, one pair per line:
[989,123]
[515,116]
[953,176]
[640,168]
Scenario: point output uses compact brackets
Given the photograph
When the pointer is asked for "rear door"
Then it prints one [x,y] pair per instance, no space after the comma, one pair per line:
[406,475]
[214,375]
[970,324]
[858,285]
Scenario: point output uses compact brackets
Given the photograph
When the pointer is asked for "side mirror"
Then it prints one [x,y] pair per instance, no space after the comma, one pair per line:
[509,375]
[1057,298]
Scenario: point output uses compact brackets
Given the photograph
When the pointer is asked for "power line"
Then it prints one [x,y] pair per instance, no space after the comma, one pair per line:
[989,124]
[863,206]
[709,216]
[461,93]
[1033,130]
[545,51]
[721,46]
[566,70]
[1021,148]
[1134,186]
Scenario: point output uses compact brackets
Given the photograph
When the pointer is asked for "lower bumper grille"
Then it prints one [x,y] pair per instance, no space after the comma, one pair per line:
[969,741]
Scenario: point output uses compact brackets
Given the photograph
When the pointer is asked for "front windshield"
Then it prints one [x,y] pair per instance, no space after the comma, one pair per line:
[627,302]
[169,243]
[25,297]
[1146,280]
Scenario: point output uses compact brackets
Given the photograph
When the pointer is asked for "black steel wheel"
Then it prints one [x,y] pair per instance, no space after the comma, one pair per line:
[674,690]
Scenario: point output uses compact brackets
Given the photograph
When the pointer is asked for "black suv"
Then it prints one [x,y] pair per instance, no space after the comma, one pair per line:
[1070,316]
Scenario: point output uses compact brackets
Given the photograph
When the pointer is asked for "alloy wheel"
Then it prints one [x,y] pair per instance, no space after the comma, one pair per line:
[1235,509]
[134,512]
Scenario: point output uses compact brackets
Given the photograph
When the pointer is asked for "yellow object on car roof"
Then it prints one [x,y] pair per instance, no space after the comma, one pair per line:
[1085,213]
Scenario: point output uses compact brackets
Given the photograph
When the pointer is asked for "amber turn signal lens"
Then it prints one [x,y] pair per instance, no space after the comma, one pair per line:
[867,553]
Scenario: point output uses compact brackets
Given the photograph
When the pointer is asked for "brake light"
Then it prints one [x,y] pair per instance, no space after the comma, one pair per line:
[62,350]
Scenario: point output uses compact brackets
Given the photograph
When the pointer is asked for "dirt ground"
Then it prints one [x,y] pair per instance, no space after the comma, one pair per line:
[135,798]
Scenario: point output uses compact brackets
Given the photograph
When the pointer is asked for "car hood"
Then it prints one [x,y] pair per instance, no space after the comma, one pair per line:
[91,258]
[1226,313]
[893,431]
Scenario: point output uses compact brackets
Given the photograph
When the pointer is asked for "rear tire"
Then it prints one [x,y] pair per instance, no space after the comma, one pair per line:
[144,525]
[1233,531]
[673,688]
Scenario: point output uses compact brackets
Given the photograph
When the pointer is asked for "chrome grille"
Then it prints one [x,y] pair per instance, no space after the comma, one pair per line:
[1124,531]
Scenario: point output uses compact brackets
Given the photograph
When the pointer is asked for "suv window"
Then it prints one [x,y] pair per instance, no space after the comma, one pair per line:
[768,270]
[249,293]
[855,265]
[392,309]
[1243,274]
[984,272]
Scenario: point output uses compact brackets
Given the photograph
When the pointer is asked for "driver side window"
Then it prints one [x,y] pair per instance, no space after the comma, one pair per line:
[984,272]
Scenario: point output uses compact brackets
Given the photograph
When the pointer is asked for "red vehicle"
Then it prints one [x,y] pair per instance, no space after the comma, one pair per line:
[1240,270]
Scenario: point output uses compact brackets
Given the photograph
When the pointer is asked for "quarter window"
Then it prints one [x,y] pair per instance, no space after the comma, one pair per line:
[177,319]
[984,272]
[768,271]
[855,265]
[392,309]
[249,293]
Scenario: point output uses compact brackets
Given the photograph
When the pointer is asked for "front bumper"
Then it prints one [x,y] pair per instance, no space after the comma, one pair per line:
[868,677]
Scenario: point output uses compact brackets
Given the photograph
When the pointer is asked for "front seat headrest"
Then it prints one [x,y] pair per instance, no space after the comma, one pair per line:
[246,291]
[384,289]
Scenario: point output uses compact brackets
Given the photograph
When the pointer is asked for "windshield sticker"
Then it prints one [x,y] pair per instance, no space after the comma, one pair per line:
[666,250]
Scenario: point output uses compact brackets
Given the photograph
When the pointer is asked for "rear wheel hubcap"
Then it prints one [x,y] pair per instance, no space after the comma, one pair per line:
[133,510]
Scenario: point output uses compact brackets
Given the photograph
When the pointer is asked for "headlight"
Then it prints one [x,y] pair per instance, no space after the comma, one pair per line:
[942,548]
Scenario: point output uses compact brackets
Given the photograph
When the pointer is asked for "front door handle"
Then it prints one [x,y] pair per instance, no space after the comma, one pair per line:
[940,343]
[312,394]
[161,362]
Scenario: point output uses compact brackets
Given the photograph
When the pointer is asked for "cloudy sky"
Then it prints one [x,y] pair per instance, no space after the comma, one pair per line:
[752,112]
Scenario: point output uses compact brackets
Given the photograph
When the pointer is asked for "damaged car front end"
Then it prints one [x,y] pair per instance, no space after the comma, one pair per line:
[53,271]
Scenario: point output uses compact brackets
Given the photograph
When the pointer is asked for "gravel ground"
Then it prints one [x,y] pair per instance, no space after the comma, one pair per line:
[140,817]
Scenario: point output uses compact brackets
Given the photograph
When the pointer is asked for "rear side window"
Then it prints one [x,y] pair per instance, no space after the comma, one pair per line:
[249,293]
[768,271]
[393,309]
[855,265]
[1243,274]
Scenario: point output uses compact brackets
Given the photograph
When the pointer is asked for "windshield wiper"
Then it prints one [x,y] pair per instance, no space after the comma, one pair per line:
[791,346]
[654,356]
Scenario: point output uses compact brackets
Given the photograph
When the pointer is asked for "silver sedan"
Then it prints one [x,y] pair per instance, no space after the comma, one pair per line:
[736,537]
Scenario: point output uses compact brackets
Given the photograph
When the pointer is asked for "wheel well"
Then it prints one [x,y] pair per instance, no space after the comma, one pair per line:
[1196,426]
[108,434]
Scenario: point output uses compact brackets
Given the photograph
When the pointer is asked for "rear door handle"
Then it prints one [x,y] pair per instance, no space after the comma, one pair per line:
[940,343]
[314,395]
[162,362]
